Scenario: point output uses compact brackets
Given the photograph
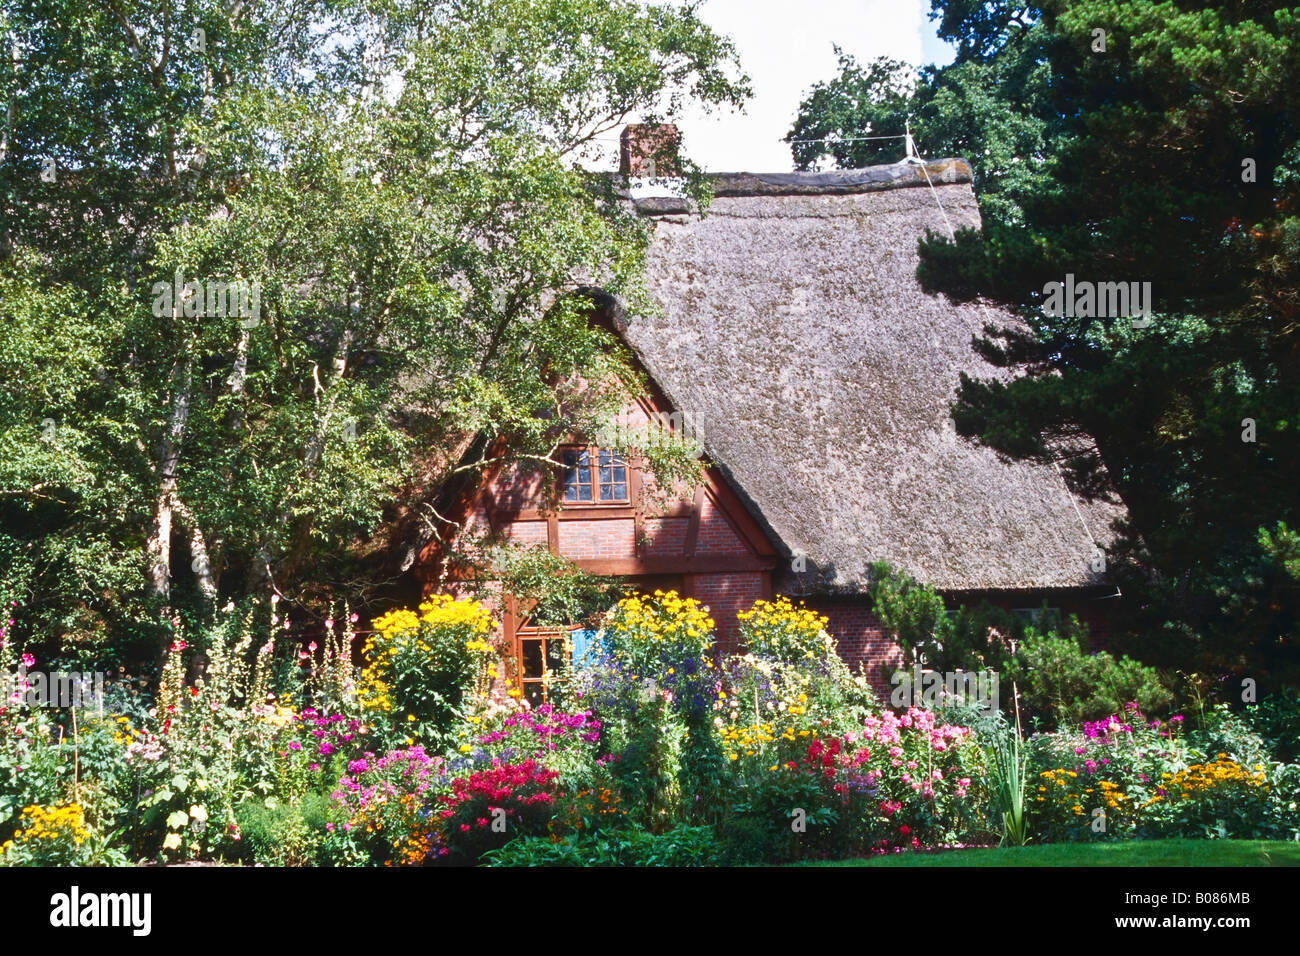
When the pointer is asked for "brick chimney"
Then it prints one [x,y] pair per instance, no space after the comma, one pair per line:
[649,150]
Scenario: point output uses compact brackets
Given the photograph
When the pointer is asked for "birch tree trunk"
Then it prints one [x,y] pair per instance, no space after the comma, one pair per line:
[158,545]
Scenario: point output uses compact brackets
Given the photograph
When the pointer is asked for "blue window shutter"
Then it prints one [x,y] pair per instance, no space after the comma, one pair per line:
[585,647]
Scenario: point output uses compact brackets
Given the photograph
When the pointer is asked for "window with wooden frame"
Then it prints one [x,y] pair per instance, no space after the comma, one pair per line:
[594,476]
[542,654]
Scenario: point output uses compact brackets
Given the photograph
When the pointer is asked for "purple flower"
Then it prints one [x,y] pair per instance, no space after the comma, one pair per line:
[294,745]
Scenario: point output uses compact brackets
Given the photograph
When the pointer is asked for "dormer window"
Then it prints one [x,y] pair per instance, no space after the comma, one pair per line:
[594,475]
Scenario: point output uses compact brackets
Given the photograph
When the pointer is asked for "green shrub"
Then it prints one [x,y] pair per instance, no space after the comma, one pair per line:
[1276,719]
[915,617]
[426,669]
[910,612]
[1060,683]
[749,839]
[283,834]
[680,846]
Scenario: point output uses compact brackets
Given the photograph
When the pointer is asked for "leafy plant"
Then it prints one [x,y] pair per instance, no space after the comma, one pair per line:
[1009,768]
[427,670]
[1060,683]
[679,846]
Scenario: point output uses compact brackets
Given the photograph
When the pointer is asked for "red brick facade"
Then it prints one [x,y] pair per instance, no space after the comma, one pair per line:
[704,543]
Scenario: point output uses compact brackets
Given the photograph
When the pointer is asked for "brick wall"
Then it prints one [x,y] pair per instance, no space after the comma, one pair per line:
[527,533]
[665,537]
[725,595]
[862,644]
[716,534]
[518,486]
[604,538]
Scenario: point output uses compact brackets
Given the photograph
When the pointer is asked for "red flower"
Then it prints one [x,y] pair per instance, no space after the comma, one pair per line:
[905,829]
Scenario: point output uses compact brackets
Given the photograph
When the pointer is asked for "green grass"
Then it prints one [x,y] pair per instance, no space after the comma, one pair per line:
[1134,853]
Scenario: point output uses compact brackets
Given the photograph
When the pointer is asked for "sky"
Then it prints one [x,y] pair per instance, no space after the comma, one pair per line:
[786,46]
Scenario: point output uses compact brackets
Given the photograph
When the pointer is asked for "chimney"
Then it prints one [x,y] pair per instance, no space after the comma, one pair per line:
[649,150]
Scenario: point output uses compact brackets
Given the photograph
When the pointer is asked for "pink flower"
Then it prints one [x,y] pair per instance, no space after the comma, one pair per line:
[28,660]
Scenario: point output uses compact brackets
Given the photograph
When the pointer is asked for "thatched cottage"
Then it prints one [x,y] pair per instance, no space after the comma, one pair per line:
[795,337]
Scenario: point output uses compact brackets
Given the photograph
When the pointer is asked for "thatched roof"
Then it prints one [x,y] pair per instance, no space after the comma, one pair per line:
[795,334]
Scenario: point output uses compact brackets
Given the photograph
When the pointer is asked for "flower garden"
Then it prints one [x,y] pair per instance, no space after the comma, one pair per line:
[651,749]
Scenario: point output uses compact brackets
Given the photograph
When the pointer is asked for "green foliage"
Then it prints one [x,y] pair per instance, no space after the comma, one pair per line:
[680,846]
[1277,720]
[1128,776]
[282,834]
[648,739]
[911,613]
[401,183]
[1060,683]
[914,616]
[427,670]
[1169,157]
[565,595]
[1009,771]
[749,840]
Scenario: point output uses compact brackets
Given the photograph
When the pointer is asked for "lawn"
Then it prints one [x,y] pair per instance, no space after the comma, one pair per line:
[1135,853]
